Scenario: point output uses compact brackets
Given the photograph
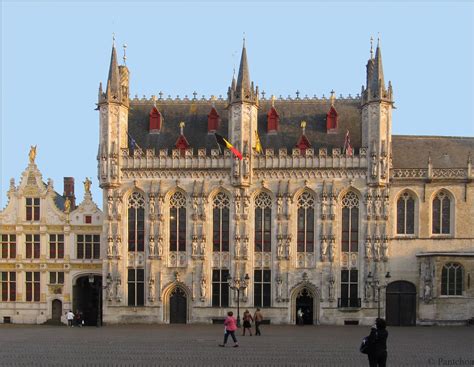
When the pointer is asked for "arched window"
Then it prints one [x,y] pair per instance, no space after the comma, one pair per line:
[452,280]
[220,222]
[136,222]
[405,214]
[349,244]
[263,218]
[136,242]
[441,214]
[350,222]
[305,237]
[178,222]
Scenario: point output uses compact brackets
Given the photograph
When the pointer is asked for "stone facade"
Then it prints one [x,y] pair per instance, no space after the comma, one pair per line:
[40,231]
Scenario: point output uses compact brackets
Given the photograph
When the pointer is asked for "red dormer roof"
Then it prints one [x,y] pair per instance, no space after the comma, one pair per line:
[213,120]
[303,143]
[331,119]
[156,121]
[273,119]
[182,144]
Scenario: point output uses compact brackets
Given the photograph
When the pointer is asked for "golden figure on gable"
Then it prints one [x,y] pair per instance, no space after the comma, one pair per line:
[32,154]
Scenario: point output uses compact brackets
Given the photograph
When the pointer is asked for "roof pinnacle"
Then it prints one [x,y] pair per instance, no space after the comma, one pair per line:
[124,54]
[371,47]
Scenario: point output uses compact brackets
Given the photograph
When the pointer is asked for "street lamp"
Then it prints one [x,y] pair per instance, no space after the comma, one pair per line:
[238,285]
[375,284]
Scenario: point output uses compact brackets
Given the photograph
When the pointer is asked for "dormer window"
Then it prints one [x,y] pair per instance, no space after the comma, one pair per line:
[32,209]
[213,120]
[331,120]
[273,119]
[156,120]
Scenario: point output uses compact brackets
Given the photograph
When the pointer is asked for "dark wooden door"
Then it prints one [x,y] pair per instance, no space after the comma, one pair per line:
[401,304]
[57,310]
[178,306]
[304,301]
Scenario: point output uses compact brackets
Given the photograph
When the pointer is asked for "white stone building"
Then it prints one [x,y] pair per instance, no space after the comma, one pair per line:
[49,250]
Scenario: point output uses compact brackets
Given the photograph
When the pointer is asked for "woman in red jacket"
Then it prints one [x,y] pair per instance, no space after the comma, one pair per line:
[230,326]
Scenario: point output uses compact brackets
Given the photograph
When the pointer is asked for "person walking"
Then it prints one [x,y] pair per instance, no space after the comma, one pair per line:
[377,341]
[230,324]
[247,322]
[299,317]
[258,318]
[70,318]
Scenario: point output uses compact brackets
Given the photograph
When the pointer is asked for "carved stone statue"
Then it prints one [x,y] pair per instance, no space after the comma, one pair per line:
[367,291]
[378,207]
[246,205]
[368,248]
[331,282]
[203,288]
[118,293]
[110,291]
[32,154]
[194,245]
[427,292]
[245,249]
[87,185]
[110,206]
[332,248]
[151,246]
[369,205]
[113,163]
[280,249]
[279,284]
[324,248]
[118,206]
[373,167]
[246,167]
[160,246]
[110,247]
[237,205]
[237,248]
[279,205]
[384,248]
[324,207]
[377,249]
[383,166]
[118,246]
[236,167]
[152,203]
[151,289]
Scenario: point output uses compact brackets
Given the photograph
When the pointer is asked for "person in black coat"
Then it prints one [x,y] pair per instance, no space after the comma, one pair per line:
[378,344]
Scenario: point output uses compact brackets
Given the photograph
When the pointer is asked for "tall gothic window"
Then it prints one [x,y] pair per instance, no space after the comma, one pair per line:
[305,238]
[263,217]
[405,214]
[220,223]
[452,280]
[136,287]
[441,214]
[220,288]
[178,222]
[350,222]
[136,222]
[262,288]
[349,288]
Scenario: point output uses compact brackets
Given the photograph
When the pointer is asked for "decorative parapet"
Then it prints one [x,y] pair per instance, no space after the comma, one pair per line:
[437,173]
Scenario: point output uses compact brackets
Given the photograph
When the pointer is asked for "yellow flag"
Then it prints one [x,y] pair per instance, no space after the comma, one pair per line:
[258,145]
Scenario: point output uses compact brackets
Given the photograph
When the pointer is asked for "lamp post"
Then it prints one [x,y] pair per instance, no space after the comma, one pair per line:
[375,284]
[238,285]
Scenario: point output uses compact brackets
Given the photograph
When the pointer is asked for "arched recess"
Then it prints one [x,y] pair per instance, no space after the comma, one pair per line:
[166,294]
[400,306]
[315,294]
[452,210]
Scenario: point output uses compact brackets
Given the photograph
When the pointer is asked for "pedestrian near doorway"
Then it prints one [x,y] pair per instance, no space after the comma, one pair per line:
[258,318]
[377,341]
[230,324]
[247,322]
[299,317]
[70,318]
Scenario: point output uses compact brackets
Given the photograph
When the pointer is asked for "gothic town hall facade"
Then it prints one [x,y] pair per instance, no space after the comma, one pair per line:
[334,216]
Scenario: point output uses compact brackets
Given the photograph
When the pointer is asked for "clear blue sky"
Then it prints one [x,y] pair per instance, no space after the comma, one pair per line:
[54,56]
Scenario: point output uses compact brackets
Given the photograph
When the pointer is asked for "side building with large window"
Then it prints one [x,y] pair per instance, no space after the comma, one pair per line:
[50,249]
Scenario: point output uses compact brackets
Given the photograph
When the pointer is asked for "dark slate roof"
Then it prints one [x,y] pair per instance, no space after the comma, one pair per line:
[59,201]
[446,151]
[292,112]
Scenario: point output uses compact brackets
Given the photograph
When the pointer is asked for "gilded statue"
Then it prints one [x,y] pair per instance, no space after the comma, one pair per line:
[87,185]
[67,205]
[32,154]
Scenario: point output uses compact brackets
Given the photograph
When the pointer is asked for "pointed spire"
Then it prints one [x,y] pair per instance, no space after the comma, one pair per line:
[243,79]
[113,81]
[378,79]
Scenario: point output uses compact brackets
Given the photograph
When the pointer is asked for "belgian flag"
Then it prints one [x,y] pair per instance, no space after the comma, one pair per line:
[226,145]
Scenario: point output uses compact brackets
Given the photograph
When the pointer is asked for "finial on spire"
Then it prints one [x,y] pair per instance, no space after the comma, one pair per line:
[153,98]
[244,39]
[303,126]
[371,47]
[213,101]
[124,54]
[181,127]
[332,99]
[378,39]
[113,39]
[273,100]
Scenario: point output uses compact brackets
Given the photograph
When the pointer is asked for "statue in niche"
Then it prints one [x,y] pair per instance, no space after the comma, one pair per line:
[373,171]
[151,245]
[237,205]
[236,166]
[369,205]
[113,164]
[118,206]
[368,248]
[110,247]
[110,206]
[324,207]
[151,288]
[427,292]
[279,283]
[279,206]
[195,205]
[110,291]
[246,205]
[331,282]
[203,288]
[331,249]
[384,248]
[152,204]
[332,208]
[118,246]
[377,249]
[383,166]
[245,249]
[367,291]
[203,245]
[118,293]
[324,248]
[195,245]
[378,207]
[104,167]
[246,167]
[288,246]
[160,246]
[280,248]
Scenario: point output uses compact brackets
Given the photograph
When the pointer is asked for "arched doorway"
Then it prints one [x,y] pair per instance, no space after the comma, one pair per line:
[401,304]
[87,299]
[56,310]
[304,301]
[178,306]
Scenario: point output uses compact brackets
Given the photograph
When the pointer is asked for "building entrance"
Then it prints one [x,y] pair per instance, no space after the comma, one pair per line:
[56,310]
[401,304]
[178,305]
[87,293]
[304,301]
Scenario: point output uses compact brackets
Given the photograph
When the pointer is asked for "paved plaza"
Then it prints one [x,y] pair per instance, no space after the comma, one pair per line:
[197,345]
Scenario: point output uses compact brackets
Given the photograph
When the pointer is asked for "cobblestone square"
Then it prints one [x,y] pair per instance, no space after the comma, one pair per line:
[197,345]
